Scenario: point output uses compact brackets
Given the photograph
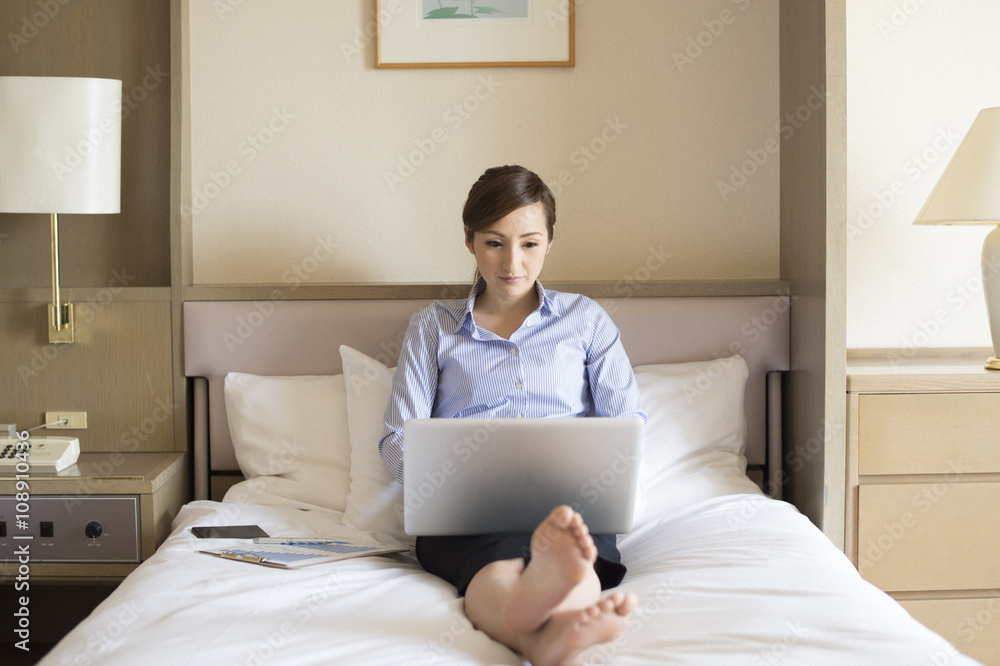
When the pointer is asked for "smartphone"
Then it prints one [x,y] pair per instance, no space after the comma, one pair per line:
[228,532]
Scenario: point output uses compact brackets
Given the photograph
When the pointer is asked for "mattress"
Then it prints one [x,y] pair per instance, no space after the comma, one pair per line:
[723,573]
[737,578]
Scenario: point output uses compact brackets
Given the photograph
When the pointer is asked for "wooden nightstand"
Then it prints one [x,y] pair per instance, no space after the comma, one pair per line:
[923,492]
[95,521]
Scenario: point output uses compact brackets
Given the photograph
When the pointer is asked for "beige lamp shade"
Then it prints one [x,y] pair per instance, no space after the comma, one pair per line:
[969,189]
[60,145]
[969,193]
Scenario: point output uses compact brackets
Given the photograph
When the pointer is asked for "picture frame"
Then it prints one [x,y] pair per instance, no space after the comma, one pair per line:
[474,33]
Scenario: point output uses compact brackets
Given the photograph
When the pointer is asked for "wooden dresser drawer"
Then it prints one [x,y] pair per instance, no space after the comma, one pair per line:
[929,536]
[971,625]
[930,433]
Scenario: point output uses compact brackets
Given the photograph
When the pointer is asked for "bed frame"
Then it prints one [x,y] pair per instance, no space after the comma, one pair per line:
[279,336]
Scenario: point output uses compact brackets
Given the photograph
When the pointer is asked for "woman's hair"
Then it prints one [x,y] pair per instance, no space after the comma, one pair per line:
[502,190]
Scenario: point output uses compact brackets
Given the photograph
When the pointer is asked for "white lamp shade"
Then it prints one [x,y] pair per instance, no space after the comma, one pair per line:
[60,145]
[969,189]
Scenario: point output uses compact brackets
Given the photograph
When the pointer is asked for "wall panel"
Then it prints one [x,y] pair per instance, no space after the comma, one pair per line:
[119,371]
[118,39]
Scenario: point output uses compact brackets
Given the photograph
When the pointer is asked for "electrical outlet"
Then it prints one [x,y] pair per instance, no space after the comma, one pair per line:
[77,420]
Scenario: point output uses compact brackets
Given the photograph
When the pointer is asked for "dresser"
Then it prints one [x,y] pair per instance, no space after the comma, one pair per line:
[923,491]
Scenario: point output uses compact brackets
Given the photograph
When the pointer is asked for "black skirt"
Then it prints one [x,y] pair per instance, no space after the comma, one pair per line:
[458,558]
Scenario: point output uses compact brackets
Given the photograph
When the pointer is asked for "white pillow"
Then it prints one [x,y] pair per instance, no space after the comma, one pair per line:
[696,432]
[375,502]
[695,439]
[291,439]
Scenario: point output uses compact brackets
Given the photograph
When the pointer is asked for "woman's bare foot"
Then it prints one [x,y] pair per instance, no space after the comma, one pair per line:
[562,553]
[568,633]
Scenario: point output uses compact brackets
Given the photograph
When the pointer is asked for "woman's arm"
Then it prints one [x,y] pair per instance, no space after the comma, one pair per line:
[612,383]
[414,388]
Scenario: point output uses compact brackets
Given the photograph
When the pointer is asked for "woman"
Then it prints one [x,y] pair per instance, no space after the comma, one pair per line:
[514,349]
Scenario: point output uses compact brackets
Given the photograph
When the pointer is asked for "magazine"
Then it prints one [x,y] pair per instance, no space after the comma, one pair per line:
[292,553]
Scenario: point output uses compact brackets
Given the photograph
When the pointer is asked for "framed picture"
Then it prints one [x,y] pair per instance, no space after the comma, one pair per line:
[474,33]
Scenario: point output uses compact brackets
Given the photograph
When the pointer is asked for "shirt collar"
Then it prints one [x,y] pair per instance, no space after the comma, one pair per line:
[461,310]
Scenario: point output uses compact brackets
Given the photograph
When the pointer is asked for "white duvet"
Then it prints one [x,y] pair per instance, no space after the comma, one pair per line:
[736,579]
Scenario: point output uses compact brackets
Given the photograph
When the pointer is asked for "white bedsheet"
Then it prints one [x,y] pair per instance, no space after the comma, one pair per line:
[738,579]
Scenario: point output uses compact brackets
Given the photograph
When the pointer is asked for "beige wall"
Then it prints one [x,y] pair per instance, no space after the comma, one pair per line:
[918,73]
[302,154]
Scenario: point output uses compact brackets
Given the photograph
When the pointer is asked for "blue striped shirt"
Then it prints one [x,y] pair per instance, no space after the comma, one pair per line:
[565,360]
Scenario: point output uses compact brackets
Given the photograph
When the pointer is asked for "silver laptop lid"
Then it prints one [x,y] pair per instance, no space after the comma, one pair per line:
[478,476]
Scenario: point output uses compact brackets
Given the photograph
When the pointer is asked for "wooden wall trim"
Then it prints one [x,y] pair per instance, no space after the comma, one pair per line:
[113,292]
[620,289]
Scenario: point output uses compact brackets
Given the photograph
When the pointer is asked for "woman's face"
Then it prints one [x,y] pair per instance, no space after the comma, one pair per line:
[510,253]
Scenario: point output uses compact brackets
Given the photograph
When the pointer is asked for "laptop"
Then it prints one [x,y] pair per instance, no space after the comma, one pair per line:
[478,476]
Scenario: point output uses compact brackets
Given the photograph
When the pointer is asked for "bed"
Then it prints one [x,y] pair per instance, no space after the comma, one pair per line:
[286,404]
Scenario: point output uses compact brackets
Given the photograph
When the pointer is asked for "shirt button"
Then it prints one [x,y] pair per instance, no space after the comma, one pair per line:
[520,416]
[513,350]
[519,385]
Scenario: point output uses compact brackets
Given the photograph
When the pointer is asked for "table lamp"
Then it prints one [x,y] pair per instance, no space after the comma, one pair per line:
[60,152]
[969,193]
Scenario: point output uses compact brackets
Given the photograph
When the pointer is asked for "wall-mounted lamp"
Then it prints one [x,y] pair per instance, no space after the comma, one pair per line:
[60,152]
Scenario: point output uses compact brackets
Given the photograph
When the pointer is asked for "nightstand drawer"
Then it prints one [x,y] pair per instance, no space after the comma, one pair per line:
[929,536]
[971,625]
[73,528]
[929,433]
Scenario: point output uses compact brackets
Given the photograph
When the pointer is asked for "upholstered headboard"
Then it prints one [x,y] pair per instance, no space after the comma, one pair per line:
[303,337]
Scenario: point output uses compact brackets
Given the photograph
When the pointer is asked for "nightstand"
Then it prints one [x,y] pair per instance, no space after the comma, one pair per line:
[923,492]
[93,522]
